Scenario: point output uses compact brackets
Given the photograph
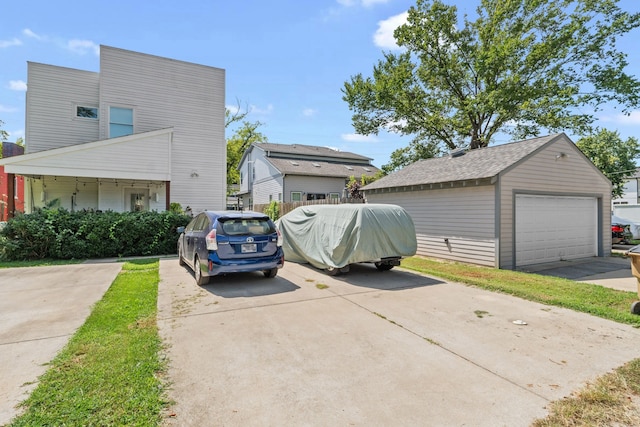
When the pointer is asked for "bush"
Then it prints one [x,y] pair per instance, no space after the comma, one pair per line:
[273,210]
[60,234]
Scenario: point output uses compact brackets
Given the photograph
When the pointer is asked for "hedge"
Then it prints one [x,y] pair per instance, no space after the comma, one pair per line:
[60,234]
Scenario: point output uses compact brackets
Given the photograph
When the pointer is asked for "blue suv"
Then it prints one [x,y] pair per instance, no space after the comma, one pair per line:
[215,243]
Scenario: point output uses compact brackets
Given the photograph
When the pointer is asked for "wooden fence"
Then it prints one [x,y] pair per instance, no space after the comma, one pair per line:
[285,208]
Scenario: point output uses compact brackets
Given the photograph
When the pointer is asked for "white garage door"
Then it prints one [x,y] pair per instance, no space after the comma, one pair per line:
[554,228]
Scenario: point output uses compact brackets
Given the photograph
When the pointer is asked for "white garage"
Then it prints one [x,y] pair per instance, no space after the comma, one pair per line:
[555,228]
[505,206]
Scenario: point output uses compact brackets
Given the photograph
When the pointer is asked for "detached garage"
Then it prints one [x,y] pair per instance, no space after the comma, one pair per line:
[506,206]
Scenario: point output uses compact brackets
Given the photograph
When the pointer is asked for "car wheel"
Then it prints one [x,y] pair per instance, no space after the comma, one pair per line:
[180,258]
[332,271]
[345,269]
[635,307]
[270,273]
[381,266]
[200,279]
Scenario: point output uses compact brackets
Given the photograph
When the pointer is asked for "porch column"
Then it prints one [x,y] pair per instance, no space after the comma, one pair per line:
[11,196]
[167,187]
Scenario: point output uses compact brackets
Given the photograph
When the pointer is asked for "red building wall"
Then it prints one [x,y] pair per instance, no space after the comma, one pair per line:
[11,186]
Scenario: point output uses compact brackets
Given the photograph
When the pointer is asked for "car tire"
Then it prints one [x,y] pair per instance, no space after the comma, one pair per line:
[270,274]
[345,269]
[635,307]
[197,271]
[381,266]
[332,271]
[180,258]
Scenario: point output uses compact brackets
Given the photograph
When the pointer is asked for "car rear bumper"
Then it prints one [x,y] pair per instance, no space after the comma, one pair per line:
[217,266]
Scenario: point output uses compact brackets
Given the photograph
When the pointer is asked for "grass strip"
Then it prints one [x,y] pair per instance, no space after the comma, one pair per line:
[107,375]
[39,263]
[588,298]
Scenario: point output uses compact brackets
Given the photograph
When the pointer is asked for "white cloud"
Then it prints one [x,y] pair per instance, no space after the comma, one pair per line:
[9,43]
[5,109]
[383,36]
[83,46]
[623,119]
[365,3]
[268,110]
[17,85]
[308,112]
[27,32]
[354,137]
[15,134]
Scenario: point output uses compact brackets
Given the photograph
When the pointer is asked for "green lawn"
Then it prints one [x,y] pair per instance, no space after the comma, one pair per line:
[108,374]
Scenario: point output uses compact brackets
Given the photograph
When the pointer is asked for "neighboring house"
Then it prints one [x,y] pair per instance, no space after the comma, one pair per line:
[11,186]
[295,173]
[505,206]
[143,132]
[631,194]
[627,206]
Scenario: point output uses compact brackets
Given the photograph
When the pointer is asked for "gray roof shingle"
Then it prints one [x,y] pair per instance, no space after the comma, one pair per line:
[308,150]
[475,164]
[309,168]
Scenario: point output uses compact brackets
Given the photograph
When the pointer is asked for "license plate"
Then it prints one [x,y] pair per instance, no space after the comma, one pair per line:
[248,248]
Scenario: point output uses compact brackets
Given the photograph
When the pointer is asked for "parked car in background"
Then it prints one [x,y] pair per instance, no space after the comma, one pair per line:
[215,243]
[621,234]
[331,237]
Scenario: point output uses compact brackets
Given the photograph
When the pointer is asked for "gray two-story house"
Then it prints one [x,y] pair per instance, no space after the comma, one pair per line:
[297,172]
[139,134]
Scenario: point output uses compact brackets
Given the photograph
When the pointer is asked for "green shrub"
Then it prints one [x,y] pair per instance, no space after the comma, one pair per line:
[273,210]
[60,234]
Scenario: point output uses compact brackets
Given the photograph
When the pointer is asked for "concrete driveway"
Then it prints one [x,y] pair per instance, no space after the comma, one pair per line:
[371,348]
[40,309]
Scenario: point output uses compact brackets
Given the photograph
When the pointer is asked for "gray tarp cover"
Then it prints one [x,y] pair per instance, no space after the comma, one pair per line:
[337,235]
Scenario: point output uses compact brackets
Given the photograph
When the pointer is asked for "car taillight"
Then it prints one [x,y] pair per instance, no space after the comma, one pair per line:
[212,243]
[617,229]
[279,242]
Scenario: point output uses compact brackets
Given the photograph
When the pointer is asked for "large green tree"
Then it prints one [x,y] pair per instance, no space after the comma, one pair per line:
[614,157]
[237,144]
[518,67]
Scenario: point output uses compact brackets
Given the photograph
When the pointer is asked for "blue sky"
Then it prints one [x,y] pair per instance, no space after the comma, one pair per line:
[287,60]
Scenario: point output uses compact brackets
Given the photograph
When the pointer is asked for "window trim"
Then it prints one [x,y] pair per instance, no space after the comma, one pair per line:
[122,107]
[87,105]
[299,193]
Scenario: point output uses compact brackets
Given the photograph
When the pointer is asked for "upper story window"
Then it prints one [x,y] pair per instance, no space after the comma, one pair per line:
[120,121]
[86,112]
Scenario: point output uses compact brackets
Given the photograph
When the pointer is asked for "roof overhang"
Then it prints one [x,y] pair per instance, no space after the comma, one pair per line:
[145,156]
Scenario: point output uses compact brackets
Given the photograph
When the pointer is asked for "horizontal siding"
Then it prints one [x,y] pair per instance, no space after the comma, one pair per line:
[312,184]
[464,216]
[262,191]
[147,158]
[168,93]
[546,173]
[52,96]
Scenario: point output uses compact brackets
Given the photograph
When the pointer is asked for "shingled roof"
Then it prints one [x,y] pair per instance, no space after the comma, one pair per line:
[320,168]
[475,164]
[307,150]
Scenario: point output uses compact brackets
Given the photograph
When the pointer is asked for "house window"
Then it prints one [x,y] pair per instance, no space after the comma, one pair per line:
[279,197]
[296,196]
[86,112]
[316,196]
[120,121]
[270,198]
[241,177]
[334,196]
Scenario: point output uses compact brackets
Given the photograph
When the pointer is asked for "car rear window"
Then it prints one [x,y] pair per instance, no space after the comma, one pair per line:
[239,227]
